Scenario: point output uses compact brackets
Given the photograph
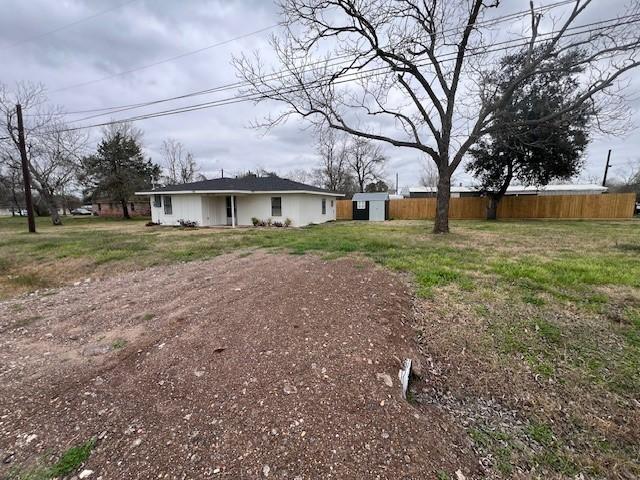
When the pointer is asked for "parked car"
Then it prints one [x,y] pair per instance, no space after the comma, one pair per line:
[637,208]
[81,211]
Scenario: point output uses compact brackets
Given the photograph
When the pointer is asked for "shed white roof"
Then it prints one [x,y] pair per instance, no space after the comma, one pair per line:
[367,197]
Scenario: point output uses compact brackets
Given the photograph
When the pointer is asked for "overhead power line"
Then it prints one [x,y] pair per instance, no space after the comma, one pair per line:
[348,78]
[120,108]
[488,22]
[69,25]
[577,30]
[165,60]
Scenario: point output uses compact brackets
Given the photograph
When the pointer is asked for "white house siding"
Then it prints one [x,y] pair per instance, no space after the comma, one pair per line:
[302,209]
[214,210]
[209,210]
[184,207]
[310,209]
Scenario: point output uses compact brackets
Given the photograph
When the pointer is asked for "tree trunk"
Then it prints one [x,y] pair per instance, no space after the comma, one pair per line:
[441,224]
[492,208]
[125,210]
[51,206]
[495,197]
[55,216]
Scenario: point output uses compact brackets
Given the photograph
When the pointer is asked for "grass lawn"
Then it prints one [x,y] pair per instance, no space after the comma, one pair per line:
[533,327]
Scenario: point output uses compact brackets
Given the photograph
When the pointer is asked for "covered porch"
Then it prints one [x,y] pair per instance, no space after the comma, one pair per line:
[220,210]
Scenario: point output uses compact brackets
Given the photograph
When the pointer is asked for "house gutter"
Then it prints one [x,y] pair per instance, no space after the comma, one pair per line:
[236,192]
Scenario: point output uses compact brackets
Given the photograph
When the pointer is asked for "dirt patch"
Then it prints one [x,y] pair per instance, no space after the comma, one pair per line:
[247,366]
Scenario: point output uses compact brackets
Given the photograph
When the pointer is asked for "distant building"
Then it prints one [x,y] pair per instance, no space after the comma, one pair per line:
[5,211]
[460,191]
[106,207]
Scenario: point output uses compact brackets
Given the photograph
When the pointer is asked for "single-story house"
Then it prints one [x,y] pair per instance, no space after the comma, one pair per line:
[237,201]
[471,191]
[371,206]
[107,207]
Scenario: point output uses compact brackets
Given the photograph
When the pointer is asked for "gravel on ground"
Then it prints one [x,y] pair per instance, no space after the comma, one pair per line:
[250,365]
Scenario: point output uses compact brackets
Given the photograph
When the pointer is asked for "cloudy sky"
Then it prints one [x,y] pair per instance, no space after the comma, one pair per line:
[79,50]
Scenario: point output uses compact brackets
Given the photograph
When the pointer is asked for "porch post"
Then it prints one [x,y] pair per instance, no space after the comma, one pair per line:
[233,211]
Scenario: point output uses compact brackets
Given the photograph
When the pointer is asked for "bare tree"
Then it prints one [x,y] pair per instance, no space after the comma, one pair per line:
[415,74]
[628,180]
[179,163]
[429,176]
[11,187]
[333,172]
[53,150]
[298,175]
[366,161]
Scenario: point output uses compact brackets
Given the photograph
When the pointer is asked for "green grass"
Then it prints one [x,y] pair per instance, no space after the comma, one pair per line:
[554,306]
[118,344]
[442,475]
[68,463]
[72,459]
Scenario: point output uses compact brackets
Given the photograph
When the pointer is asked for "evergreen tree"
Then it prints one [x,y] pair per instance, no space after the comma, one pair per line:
[521,146]
[118,169]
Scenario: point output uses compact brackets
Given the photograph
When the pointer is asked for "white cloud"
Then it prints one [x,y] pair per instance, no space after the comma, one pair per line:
[145,31]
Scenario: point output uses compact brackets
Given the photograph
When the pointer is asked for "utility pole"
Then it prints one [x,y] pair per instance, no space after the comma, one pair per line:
[397,192]
[26,175]
[606,170]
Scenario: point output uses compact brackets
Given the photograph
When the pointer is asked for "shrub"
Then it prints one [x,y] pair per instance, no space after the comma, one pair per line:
[287,222]
[151,224]
[278,224]
[188,223]
[255,221]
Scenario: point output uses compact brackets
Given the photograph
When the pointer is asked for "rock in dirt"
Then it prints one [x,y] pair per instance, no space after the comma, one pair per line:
[289,388]
[95,350]
[386,378]
[85,474]
[265,470]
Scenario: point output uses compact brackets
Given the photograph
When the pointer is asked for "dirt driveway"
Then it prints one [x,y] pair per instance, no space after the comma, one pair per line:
[245,366]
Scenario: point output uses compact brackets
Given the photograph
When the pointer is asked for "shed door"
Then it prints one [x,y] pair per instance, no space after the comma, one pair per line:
[361,210]
[376,211]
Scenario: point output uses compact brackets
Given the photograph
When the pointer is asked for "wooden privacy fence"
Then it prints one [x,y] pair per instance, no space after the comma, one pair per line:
[557,206]
[344,209]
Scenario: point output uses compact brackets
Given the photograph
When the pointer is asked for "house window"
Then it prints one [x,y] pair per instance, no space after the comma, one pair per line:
[331,203]
[276,206]
[361,205]
[157,201]
[324,206]
[168,208]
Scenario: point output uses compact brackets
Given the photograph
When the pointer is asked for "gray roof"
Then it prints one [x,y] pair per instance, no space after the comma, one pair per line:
[245,184]
[367,197]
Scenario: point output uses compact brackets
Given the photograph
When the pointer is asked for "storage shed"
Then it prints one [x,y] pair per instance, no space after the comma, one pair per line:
[371,206]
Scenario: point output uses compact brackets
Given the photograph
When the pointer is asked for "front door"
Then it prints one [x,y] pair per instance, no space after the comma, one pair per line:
[235,209]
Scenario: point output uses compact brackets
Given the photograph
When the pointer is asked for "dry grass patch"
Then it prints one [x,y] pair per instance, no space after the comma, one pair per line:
[531,329]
